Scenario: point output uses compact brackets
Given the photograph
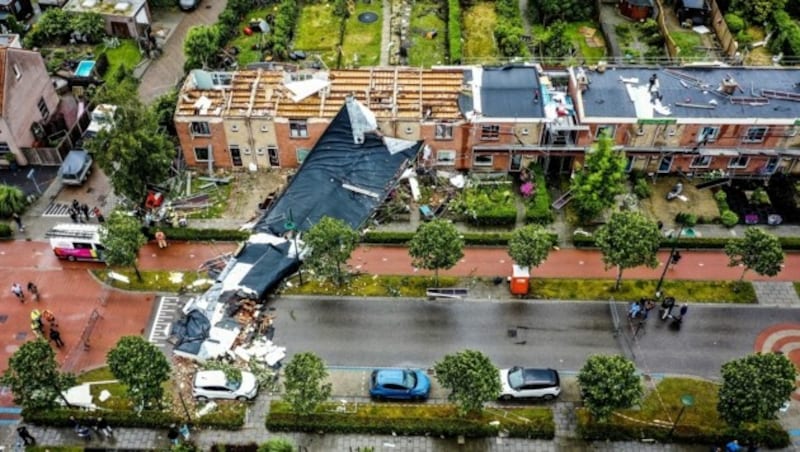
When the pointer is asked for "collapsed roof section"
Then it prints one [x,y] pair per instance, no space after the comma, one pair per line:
[347,175]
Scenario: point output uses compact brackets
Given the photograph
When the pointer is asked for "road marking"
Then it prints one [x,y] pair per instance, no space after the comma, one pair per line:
[168,311]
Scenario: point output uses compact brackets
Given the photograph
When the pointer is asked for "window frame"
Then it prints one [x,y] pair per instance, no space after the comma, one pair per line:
[200,129]
[42,106]
[738,159]
[489,164]
[490,132]
[710,138]
[445,162]
[203,148]
[601,128]
[297,154]
[694,163]
[446,131]
[297,128]
[747,136]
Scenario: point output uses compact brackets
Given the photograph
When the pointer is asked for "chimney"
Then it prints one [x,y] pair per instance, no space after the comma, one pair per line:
[729,85]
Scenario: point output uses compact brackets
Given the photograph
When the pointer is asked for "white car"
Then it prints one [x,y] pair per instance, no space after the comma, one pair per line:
[212,384]
[102,119]
[522,383]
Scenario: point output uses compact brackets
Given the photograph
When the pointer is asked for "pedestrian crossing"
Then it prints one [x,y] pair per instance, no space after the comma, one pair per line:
[56,209]
[169,310]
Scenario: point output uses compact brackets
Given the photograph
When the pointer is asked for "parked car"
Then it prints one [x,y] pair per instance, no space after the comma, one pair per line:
[76,167]
[524,382]
[102,119]
[399,384]
[213,384]
[188,5]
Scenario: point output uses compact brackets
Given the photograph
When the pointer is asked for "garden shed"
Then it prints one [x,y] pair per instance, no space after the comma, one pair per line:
[123,18]
[693,12]
[637,9]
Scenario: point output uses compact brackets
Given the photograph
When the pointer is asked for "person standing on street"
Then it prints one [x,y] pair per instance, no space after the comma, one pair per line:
[99,215]
[85,210]
[25,435]
[73,214]
[102,427]
[55,336]
[161,238]
[16,289]
[33,290]
[18,220]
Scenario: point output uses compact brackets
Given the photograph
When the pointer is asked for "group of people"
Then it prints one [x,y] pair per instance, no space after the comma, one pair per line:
[16,289]
[41,318]
[100,426]
[80,213]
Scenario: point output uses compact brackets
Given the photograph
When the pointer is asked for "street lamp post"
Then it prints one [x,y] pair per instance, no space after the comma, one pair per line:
[669,261]
[183,402]
[687,400]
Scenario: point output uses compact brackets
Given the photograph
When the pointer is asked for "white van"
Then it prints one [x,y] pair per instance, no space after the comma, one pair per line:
[75,242]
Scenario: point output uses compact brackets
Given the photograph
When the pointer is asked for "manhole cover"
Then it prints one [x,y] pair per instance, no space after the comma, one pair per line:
[3,318]
[368,17]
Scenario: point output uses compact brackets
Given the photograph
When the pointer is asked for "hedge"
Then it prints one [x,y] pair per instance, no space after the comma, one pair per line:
[787,243]
[222,235]
[454,30]
[537,208]
[281,419]
[470,238]
[5,231]
[787,39]
[148,419]
[767,433]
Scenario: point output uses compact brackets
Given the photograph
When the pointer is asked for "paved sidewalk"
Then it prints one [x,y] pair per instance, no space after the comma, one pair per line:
[774,293]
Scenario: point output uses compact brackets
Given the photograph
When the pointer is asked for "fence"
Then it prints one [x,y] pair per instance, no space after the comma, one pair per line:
[726,38]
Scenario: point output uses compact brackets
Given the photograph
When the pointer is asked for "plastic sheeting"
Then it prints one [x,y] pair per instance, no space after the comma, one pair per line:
[191,331]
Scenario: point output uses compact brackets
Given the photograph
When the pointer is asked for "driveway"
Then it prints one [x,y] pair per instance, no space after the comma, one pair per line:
[166,72]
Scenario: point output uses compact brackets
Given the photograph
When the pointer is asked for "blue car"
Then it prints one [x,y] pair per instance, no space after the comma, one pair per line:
[399,384]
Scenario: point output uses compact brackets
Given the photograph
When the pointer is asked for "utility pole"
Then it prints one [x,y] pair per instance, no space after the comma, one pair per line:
[669,260]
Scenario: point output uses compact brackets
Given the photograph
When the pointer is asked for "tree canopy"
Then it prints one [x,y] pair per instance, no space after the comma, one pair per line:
[471,378]
[757,11]
[303,383]
[436,244]
[757,250]
[530,245]
[754,387]
[201,45]
[34,377]
[122,237]
[547,11]
[608,383]
[330,243]
[628,240]
[12,199]
[142,367]
[602,178]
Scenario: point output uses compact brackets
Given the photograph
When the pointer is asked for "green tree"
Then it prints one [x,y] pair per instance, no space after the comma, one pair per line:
[134,152]
[558,44]
[12,199]
[471,378]
[201,45]
[757,250]
[330,243]
[278,444]
[754,387]
[122,237]
[530,245]
[609,383]
[628,240]
[757,11]
[52,28]
[303,383]
[436,244]
[142,367]
[34,378]
[341,8]
[548,11]
[91,25]
[602,178]
[164,111]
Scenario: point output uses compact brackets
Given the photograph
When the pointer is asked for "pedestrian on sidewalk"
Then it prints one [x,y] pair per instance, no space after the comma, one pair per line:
[25,435]
[50,318]
[161,238]
[102,427]
[73,214]
[18,220]
[85,211]
[733,446]
[16,289]
[55,336]
[173,434]
[33,290]
[99,215]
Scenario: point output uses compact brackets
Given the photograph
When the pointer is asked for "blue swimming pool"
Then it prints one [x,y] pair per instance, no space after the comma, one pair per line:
[84,68]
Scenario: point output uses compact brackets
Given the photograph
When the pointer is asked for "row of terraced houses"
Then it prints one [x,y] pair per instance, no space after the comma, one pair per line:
[737,121]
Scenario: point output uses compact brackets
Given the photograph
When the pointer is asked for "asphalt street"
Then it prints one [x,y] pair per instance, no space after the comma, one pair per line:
[562,335]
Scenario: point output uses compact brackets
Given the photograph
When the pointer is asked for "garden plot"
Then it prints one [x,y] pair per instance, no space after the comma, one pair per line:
[428,48]
[361,45]
[479,22]
[250,47]
[318,31]
[698,202]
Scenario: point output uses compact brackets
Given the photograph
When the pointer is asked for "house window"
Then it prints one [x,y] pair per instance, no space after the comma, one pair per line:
[701,161]
[43,108]
[629,164]
[274,159]
[201,154]
[755,134]
[298,128]
[608,130]
[301,154]
[444,132]
[483,160]
[200,128]
[708,135]
[665,165]
[4,148]
[446,158]
[491,132]
[739,162]
[236,154]
[17,72]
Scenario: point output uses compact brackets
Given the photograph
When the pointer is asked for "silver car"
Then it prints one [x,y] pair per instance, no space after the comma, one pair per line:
[212,384]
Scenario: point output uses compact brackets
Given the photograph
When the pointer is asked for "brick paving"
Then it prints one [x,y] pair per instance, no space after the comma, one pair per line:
[776,293]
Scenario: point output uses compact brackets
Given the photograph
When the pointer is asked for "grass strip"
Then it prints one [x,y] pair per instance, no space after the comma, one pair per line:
[631,290]
[157,280]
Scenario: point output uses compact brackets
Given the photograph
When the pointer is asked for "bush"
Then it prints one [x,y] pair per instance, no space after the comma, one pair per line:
[735,23]
[277,445]
[721,196]
[454,30]
[222,235]
[148,419]
[537,208]
[787,36]
[787,243]
[729,218]
[686,219]
[470,238]
[5,231]
[642,189]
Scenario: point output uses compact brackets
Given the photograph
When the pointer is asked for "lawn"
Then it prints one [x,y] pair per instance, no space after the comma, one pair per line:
[427,16]
[688,41]
[218,198]
[126,54]
[478,29]
[318,31]
[581,34]
[759,56]
[370,286]
[632,290]
[158,281]
[362,42]
[246,43]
